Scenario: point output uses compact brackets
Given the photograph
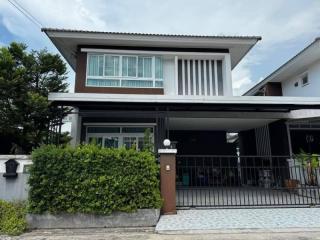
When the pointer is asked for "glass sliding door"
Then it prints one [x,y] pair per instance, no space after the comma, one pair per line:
[117,136]
[111,142]
[95,140]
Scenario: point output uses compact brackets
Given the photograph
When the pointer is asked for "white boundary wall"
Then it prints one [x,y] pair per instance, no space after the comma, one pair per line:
[14,189]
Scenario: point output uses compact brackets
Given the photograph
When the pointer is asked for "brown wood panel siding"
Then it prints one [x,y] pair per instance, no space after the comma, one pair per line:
[80,82]
[273,89]
[81,67]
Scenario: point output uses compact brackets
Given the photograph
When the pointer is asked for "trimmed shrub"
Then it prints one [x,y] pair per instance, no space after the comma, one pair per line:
[90,179]
[12,218]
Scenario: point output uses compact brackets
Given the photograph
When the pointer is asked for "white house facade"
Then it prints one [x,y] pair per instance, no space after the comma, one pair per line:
[179,87]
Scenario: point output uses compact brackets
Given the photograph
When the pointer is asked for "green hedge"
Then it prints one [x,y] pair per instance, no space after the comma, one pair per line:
[12,218]
[90,179]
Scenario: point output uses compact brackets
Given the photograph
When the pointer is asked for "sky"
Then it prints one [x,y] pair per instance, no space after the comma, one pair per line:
[286,26]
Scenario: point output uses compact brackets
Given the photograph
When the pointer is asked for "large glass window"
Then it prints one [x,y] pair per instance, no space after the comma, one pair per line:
[105,70]
[117,136]
[129,66]
[129,142]
[95,65]
[111,142]
[159,68]
[145,67]
[111,65]
[95,140]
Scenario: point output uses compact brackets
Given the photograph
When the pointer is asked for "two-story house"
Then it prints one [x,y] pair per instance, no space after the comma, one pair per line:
[298,77]
[179,87]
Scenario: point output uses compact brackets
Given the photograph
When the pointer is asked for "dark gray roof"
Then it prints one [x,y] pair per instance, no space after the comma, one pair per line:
[151,34]
[67,41]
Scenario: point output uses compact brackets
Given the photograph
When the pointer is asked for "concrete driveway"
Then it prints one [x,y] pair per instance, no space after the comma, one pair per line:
[226,220]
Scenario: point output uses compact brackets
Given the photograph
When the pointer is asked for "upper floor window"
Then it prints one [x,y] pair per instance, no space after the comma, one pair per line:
[106,70]
[111,66]
[305,80]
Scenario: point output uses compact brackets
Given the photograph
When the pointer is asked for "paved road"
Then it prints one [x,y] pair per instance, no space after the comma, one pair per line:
[148,234]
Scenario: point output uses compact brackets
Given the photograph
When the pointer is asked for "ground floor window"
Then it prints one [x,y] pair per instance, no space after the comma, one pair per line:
[119,136]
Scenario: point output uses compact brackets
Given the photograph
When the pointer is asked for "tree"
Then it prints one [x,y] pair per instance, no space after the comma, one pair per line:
[26,78]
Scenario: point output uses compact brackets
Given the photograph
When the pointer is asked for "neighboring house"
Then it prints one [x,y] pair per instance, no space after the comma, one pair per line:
[179,87]
[298,77]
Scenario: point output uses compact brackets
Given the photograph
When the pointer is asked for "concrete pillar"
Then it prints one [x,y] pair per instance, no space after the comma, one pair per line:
[168,180]
[75,127]
[227,78]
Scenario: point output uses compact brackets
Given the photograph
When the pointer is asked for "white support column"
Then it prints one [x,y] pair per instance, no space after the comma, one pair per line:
[75,128]
[226,73]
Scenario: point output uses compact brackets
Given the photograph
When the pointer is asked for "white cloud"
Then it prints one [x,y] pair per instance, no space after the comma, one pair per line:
[279,22]
[241,78]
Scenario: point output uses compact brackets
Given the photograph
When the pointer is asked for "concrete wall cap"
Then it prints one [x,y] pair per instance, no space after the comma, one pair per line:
[20,157]
[167,151]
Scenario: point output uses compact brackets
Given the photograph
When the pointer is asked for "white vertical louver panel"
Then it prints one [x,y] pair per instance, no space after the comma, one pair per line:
[205,77]
[194,77]
[183,78]
[210,78]
[215,78]
[189,82]
[198,77]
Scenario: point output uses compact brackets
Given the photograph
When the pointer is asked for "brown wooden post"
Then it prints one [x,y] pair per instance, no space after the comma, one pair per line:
[168,180]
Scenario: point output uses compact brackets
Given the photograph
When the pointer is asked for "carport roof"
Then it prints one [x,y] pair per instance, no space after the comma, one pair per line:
[234,103]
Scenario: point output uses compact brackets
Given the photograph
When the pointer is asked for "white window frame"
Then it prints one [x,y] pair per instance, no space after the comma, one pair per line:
[121,58]
[87,67]
[120,78]
[104,65]
[119,135]
[152,67]
[302,77]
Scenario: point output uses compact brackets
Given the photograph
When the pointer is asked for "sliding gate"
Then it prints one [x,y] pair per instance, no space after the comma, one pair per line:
[240,181]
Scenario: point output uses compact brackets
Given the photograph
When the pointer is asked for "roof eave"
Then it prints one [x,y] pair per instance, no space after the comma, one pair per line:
[47,30]
[196,41]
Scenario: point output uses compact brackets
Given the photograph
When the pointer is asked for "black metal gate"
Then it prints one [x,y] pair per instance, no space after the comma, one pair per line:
[240,181]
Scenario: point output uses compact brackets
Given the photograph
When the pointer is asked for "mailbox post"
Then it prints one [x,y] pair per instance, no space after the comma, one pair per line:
[168,178]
